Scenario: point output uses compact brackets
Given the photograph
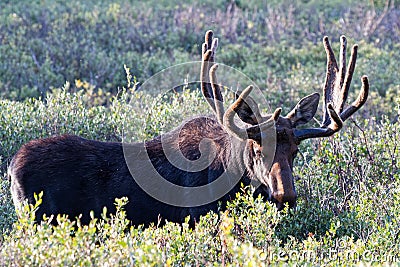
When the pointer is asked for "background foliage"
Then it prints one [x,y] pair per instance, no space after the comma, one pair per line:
[62,71]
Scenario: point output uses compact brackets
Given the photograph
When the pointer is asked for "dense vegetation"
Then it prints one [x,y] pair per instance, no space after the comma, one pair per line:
[62,71]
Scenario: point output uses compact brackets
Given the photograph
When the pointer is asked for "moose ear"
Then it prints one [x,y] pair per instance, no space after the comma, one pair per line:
[304,111]
[248,111]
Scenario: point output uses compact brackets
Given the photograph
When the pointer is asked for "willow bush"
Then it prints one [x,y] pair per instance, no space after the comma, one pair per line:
[78,68]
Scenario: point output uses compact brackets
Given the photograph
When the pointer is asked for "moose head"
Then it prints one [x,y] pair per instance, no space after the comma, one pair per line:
[276,178]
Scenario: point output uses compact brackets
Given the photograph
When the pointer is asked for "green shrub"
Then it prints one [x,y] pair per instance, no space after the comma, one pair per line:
[72,58]
[348,206]
[43,44]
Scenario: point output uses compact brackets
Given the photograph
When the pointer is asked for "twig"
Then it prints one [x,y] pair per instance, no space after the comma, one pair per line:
[370,157]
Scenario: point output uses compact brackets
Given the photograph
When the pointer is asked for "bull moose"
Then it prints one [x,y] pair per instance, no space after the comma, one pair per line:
[78,175]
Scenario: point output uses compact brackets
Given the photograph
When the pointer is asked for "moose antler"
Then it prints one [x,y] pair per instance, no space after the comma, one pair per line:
[209,48]
[215,100]
[336,89]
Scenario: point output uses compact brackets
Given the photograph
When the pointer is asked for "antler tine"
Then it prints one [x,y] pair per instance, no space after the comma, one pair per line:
[203,50]
[361,99]
[214,46]
[204,80]
[209,48]
[210,43]
[252,132]
[217,94]
[208,38]
[338,80]
[342,59]
[349,76]
[229,115]
[336,90]
[331,69]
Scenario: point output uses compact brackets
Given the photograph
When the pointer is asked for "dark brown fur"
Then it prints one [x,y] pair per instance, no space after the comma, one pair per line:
[79,175]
